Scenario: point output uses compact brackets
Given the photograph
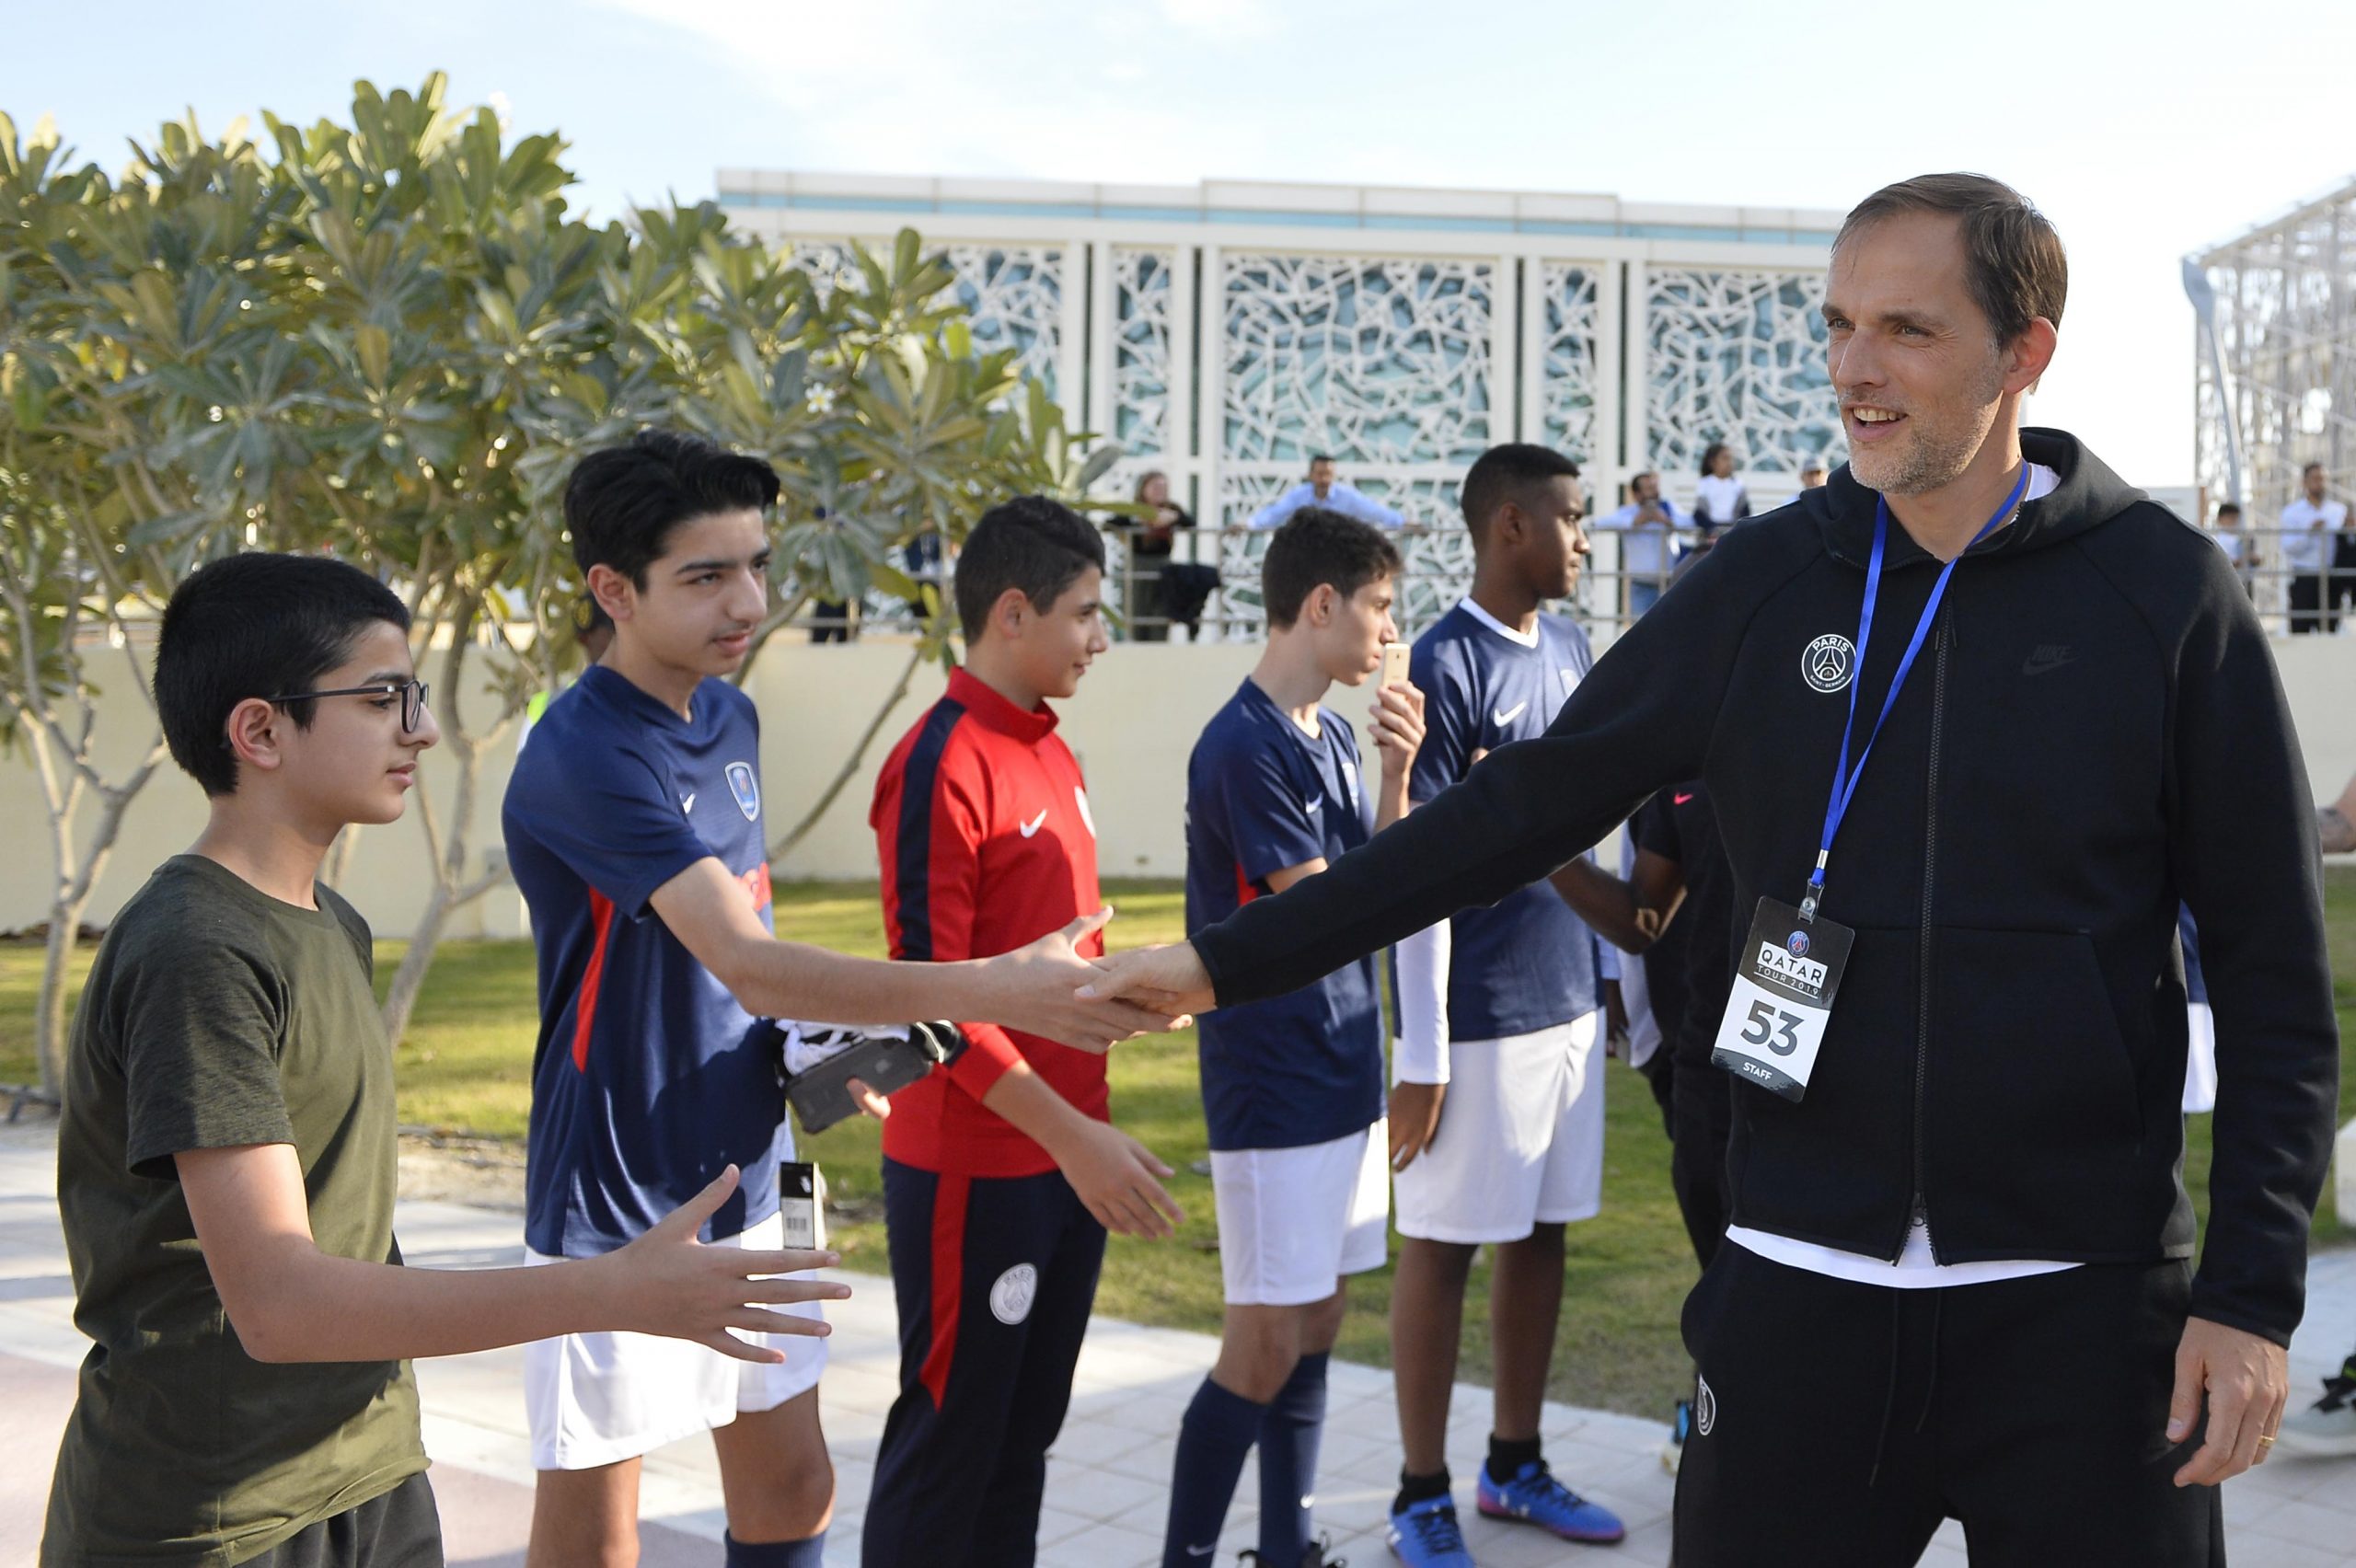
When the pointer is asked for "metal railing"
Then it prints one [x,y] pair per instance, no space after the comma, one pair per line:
[1439,570]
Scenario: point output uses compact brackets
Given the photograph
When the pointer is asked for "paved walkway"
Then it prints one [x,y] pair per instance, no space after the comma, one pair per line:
[1108,1476]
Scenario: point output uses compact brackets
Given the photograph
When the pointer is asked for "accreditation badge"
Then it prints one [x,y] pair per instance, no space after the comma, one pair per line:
[1788,970]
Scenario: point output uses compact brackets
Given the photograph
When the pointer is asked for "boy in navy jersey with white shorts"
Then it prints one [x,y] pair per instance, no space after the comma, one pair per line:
[634,823]
[1496,1112]
[1002,1172]
[1292,1086]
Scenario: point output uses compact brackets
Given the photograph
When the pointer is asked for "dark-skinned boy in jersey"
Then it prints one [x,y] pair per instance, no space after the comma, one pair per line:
[634,826]
[1497,1104]
[1002,1172]
[225,1162]
[1292,1086]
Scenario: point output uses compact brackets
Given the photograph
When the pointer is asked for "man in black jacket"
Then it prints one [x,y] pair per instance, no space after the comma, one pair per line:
[1962,1283]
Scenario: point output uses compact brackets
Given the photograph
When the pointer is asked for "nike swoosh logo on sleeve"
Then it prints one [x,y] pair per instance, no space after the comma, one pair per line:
[1510,714]
[1681,800]
[1031,828]
[687,804]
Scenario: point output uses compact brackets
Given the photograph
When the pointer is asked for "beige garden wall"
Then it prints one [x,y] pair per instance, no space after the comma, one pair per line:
[1132,726]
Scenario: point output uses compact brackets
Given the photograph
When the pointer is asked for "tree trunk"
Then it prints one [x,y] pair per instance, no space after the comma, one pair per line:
[75,882]
[409,978]
[49,1012]
[447,856]
[801,830]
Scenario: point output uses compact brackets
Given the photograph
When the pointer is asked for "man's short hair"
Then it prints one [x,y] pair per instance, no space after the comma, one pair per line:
[1505,473]
[621,505]
[1319,545]
[1033,542]
[2233,506]
[256,625]
[2310,468]
[2013,262]
[1318,457]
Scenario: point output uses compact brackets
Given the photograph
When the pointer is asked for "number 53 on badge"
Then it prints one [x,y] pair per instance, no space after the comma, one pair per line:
[1787,973]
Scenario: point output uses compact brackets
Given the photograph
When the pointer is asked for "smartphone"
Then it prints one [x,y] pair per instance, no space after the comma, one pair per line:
[1395,665]
[821,1095]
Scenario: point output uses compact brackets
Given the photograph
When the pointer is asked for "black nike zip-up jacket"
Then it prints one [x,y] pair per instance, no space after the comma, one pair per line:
[2093,731]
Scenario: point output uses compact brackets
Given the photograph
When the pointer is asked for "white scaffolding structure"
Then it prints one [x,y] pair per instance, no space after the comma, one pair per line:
[2275,351]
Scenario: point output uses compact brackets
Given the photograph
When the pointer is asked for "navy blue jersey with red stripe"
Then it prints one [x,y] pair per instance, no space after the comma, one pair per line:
[1525,962]
[1263,795]
[648,1076]
[985,843]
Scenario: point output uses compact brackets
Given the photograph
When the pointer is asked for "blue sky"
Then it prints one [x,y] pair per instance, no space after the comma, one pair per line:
[2142,142]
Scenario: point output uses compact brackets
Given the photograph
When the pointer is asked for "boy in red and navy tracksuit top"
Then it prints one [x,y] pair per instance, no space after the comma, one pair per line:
[1002,1172]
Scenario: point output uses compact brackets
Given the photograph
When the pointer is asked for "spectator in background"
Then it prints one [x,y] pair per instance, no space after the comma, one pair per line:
[1321,488]
[1719,500]
[1812,475]
[2307,526]
[1644,553]
[2239,547]
[1161,592]
[2342,589]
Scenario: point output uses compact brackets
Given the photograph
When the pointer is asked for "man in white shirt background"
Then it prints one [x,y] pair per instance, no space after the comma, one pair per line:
[1647,550]
[1321,488]
[2308,524]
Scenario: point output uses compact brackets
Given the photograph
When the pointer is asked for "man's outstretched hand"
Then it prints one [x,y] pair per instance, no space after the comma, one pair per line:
[1161,980]
[1043,989]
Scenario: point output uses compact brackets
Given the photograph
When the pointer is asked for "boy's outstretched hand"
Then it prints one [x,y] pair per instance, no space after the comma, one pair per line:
[1162,980]
[1038,989]
[667,1283]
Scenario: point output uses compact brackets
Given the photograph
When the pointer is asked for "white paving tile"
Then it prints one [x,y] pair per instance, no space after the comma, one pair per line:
[1109,1473]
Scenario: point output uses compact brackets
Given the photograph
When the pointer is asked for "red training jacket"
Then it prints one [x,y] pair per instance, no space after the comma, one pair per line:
[982,829]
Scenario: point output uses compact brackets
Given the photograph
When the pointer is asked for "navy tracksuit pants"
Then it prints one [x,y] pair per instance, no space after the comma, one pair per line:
[994,1277]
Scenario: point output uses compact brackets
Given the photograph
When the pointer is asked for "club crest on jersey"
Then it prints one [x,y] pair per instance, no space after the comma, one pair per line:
[746,787]
[1570,681]
[1829,663]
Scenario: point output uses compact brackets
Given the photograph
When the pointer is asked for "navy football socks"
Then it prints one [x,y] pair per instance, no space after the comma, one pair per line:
[1289,1434]
[1213,1442]
[809,1554]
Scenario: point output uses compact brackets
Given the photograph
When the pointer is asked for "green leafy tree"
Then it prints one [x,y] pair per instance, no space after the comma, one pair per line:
[391,340]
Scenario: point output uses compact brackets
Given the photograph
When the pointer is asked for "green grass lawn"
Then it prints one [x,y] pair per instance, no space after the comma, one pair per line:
[466,1065]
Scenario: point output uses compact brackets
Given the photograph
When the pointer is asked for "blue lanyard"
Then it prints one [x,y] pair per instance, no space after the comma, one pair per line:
[1844,779]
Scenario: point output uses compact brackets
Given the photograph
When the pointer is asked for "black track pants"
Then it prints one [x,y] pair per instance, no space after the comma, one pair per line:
[1836,1423]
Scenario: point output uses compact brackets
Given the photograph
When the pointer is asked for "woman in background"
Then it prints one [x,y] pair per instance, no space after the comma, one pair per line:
[1718,497]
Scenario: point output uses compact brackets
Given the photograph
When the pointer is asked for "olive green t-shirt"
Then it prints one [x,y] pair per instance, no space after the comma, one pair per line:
[216,1016]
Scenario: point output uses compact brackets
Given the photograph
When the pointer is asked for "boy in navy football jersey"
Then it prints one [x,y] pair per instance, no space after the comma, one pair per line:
[1496,1120]
[1292,1088]
[1002,1172]
[634,826]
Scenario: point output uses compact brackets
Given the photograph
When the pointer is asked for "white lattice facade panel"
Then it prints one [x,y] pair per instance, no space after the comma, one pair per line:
[1374,360]
[1142,293]
[831,263]
[1013,297]
[1570,384]
[1737,357]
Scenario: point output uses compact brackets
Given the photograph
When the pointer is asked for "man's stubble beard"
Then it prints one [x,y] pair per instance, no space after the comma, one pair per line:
[1937,457]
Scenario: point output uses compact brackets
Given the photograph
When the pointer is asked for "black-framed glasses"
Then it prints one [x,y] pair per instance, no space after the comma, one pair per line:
[411,693]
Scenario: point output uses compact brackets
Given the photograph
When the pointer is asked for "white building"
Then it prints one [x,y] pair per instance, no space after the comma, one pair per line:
[1224,332]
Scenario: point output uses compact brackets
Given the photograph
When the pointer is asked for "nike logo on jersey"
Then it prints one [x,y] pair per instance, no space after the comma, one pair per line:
[688,804]
[2048,658]
[1201,1550]
[1031,828]
[1316,806]
[1510,714]
[1681,800]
